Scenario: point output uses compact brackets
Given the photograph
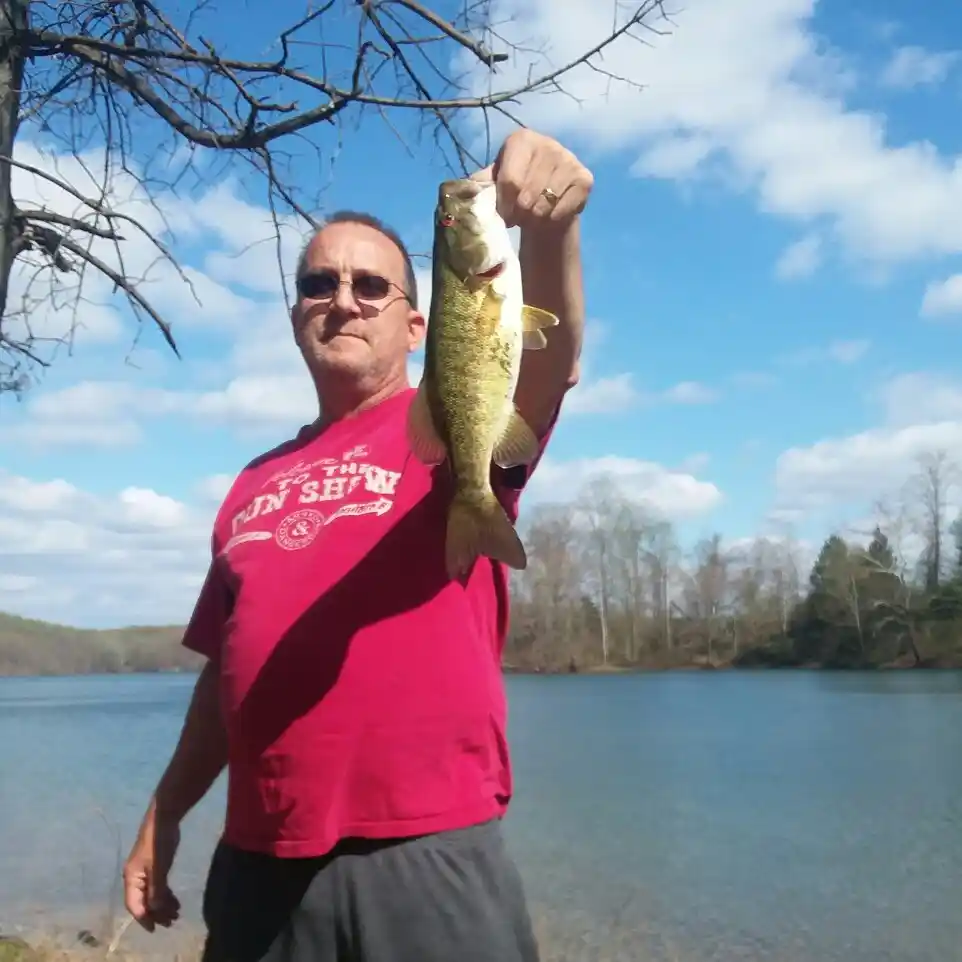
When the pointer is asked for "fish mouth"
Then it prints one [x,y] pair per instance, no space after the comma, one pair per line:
[464,190]
[492,272]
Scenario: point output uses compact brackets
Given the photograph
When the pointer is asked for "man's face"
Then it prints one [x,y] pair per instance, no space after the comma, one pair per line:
[353,319]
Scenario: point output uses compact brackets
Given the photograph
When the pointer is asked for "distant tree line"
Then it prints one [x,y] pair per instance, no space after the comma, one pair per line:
[608,585]
[29,647]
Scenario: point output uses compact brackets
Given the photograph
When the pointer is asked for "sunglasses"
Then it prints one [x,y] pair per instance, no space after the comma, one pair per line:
[323,286]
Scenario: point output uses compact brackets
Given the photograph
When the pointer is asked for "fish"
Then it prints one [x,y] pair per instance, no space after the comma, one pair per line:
[463,410]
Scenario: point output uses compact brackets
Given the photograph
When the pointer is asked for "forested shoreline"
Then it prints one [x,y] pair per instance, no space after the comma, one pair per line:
[608,587]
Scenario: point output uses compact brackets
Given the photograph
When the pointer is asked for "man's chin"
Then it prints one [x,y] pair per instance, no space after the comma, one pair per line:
[344,364]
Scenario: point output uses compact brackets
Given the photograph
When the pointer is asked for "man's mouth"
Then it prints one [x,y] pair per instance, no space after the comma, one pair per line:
[329,336]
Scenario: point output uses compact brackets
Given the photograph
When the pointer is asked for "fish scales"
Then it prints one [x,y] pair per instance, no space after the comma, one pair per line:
[475,361]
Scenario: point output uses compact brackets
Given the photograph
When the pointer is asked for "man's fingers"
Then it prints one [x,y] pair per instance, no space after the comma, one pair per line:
[510,174]
[135,900]
[150,901]
[544,174]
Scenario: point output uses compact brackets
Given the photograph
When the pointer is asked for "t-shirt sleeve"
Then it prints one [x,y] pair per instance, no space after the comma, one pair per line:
[508,483]
[205,630]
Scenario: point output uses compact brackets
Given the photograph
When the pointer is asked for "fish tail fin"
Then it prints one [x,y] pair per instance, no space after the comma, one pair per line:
[479,527]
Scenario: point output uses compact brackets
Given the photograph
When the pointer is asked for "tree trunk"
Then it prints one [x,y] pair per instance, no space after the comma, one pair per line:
[13,22]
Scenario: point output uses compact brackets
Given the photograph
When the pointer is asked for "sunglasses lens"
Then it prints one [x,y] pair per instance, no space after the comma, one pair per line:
[317,285]
[370,287]
[322,285]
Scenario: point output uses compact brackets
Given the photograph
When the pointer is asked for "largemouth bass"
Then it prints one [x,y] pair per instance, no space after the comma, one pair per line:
[464,411]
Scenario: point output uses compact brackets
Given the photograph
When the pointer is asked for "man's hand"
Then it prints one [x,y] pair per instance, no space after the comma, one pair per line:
[540,183]
[147,895]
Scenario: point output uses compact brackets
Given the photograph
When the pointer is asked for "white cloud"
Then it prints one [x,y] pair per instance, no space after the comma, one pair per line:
[674,157]
[862,466]
[801,259]
[690,392]
[923,415]
[606,395]
[133,556]
[754,380]
[746,91]
[848,352]
[695,462]
[837,351]
[914,66]
[214,488]
[252,402]
[919,397]
[88,414]
[943,298]
[678,495]
[610,394]
[423,279]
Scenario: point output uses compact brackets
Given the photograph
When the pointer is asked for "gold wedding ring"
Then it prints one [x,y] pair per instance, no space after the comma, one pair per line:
[550,196]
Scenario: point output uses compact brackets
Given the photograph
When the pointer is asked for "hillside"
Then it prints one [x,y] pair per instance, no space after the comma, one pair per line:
[29,647]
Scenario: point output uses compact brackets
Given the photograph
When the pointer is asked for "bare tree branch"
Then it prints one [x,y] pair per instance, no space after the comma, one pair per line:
[52,242]
[111,77]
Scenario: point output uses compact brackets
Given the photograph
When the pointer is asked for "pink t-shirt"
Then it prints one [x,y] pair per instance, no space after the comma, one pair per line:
[362,690]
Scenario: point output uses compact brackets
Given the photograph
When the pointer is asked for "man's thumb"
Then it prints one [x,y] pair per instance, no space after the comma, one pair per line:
[156,883]
[485,175]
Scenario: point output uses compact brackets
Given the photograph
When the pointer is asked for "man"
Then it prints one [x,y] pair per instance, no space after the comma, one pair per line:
[352,690]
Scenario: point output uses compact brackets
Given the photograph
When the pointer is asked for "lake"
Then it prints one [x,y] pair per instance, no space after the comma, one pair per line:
[785,816]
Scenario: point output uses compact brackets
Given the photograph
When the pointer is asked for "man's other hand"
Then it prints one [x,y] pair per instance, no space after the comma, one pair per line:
[147,896]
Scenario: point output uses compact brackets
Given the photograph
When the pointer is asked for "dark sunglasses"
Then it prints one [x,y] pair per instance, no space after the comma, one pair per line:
[323,285]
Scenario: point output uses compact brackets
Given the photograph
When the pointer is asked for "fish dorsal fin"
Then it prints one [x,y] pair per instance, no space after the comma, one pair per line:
[517,443]
[533,319]
[423,437]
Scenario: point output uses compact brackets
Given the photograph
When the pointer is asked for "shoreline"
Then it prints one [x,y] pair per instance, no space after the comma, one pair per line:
[947,665]
[928,665]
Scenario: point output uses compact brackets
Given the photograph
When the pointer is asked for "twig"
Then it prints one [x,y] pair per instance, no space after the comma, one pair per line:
[52,242]
[115,941]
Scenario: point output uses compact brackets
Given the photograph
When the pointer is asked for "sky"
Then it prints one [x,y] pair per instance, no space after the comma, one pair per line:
[773,282]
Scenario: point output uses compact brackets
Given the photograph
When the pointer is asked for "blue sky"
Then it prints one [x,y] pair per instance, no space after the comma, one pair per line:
[774,288]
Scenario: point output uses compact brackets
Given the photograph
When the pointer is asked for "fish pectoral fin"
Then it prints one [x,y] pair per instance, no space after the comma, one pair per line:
[533,320]
[517,443]
[480,528]
[533,341]
[423,437]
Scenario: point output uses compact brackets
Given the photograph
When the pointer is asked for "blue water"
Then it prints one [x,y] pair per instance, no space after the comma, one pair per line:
[802,817]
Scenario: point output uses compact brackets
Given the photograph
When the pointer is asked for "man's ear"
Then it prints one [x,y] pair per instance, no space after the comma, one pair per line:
[417,329]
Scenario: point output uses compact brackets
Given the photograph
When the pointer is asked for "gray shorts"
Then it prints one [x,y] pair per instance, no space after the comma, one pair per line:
[434,898]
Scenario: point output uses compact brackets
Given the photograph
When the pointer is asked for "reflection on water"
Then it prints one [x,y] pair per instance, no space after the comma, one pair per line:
[921,682]
[797,816]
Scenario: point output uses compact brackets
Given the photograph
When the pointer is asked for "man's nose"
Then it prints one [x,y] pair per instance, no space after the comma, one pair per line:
[344,300]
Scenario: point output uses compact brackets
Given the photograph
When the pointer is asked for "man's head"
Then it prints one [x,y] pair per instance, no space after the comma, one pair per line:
[355,317]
